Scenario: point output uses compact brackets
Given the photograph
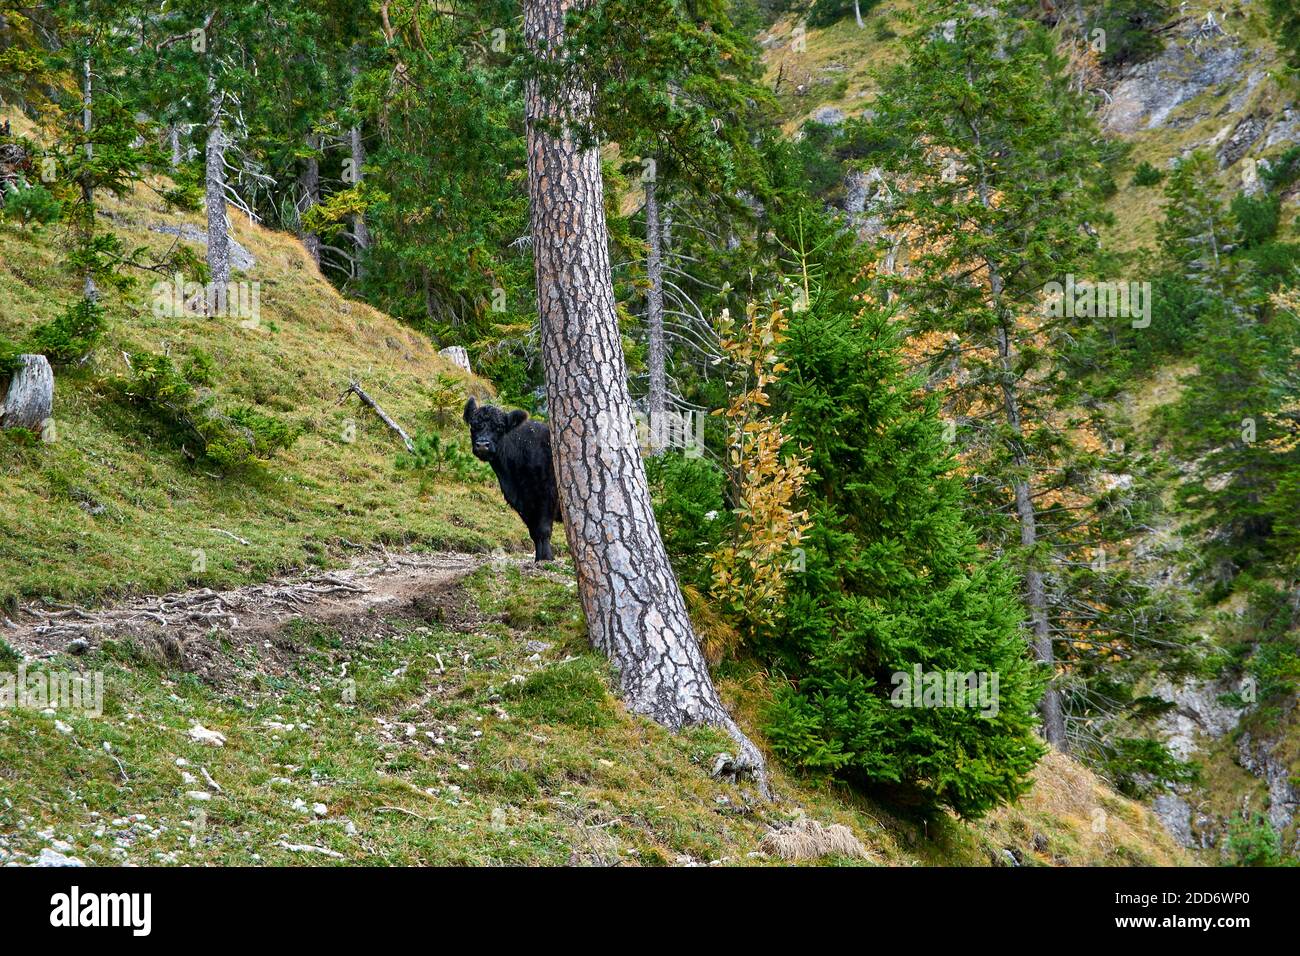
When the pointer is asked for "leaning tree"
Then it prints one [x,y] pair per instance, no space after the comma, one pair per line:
[633,604]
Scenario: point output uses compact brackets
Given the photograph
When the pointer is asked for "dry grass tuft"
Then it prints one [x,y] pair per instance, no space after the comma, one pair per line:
[718,638]
[806,839]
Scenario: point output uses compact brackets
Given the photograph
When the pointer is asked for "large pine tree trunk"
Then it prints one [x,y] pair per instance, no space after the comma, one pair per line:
[1035,589]
[29,401]
[310,182]
[633,605]
[215,200]
[657,398]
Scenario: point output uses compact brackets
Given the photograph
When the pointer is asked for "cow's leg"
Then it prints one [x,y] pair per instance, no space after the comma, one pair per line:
[540,531]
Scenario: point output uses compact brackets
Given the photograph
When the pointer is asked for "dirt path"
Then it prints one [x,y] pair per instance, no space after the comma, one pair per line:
[371,586]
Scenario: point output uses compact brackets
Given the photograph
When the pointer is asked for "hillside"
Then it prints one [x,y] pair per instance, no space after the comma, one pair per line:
[417,703]
[112,507]
[441,709]
[1210,87]
[1217,85]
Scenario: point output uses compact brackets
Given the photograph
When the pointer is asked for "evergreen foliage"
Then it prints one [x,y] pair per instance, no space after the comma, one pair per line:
[1147,175]
[189,414]
[31,205]
[1130,27]
[893,580]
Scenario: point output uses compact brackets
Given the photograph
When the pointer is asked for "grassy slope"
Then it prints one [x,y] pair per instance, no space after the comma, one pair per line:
[546,769]
[152,507]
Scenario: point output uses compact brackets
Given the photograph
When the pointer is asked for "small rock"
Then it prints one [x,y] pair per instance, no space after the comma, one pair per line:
[213,738]
[50,857]
[828,116]
[307,848]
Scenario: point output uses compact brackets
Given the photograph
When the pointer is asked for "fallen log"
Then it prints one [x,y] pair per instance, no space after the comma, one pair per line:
[29,402]
[355,389]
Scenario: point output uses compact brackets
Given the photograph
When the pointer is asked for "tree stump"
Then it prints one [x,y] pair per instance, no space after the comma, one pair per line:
[457,355]
[30,400]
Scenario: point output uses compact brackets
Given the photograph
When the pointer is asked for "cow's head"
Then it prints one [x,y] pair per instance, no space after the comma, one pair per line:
[488,425]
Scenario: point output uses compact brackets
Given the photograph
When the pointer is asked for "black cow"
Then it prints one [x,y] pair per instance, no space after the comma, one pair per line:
[519,452]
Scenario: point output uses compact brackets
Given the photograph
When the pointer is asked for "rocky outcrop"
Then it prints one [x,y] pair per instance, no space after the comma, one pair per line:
[1189,65]
[828,116]
[1260,757]
[1197,710]
[1176,815]
[1242,138]
[240,258]
[864,193]
[1285,131]
[1197,719]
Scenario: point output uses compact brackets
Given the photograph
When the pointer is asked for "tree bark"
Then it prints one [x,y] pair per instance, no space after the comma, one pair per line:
[310,182]
[218,257]
[88,287]
[29,402]
[633,605]
[657,398]
[360,232]
[857,13]
[1035,591]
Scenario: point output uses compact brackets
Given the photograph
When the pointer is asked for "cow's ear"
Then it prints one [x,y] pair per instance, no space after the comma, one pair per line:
[517,418]
[470,408]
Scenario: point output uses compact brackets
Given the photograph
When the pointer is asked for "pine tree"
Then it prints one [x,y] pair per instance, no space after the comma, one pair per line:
[1286,21]
[894,583]
[992,192]
[1228,417]
[632,601]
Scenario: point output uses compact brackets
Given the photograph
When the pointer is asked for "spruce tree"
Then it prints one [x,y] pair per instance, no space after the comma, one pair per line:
[1230,419]
[893,585]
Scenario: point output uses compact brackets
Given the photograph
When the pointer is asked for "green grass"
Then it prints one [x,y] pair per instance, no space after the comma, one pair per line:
[462,742]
